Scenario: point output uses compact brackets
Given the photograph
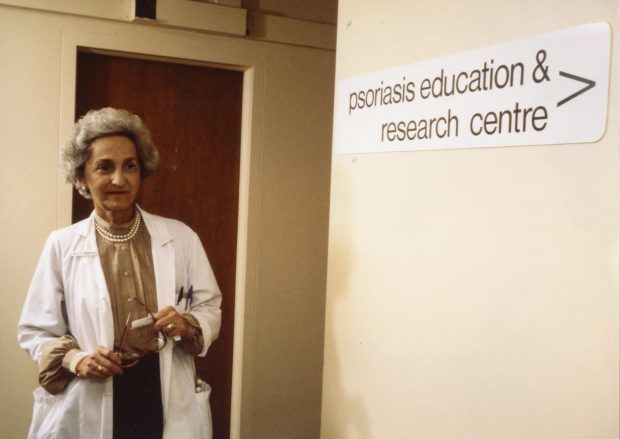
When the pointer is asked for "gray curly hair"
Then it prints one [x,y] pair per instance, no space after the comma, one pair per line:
[106,122]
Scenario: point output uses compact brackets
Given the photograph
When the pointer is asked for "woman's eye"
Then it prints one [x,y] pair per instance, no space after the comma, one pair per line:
[132,166]
[103,168]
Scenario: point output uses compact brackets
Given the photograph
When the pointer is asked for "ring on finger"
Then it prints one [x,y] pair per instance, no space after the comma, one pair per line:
[170,327]
[99,367]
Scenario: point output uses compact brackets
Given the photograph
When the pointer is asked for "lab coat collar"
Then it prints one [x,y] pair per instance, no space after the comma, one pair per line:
[86,229]
[157,229]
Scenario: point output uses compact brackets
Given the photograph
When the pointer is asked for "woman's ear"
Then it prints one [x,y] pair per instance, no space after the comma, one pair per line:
[81,185]
[81,182]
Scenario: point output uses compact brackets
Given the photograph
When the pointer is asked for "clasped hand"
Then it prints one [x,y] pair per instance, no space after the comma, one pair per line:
[104,362]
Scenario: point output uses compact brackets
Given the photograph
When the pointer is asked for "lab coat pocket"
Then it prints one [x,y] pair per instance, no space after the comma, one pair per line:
[203,391]
[46,414]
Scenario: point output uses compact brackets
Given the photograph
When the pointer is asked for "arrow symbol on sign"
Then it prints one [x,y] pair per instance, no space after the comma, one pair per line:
[589,85]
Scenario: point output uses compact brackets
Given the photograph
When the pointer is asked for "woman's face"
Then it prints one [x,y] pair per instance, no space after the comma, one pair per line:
[112,174]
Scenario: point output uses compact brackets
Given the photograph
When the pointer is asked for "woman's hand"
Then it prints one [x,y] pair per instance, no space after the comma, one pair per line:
[171,323]
[101,364]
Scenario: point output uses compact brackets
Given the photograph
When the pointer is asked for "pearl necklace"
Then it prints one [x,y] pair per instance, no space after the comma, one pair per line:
[120,238]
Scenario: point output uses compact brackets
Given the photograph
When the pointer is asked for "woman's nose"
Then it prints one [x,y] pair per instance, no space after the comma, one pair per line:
[118,178]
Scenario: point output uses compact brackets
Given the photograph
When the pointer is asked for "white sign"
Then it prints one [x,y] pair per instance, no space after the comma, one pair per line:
[548,89]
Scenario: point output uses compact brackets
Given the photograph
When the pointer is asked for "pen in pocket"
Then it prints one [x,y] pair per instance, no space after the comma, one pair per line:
[188,297]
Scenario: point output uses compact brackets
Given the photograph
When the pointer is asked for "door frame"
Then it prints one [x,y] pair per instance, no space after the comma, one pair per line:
[181,47]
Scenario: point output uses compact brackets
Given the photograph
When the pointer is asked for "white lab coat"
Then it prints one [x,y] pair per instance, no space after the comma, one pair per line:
[68,294]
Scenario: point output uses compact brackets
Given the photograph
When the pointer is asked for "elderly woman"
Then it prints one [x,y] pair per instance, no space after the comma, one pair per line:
[108,317]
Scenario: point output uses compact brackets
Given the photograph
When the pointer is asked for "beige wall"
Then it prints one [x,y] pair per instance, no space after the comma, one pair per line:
[471,293]
[283,207]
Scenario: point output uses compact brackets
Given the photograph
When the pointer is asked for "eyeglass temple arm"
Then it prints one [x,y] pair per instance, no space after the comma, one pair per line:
[120,343]
[148,310]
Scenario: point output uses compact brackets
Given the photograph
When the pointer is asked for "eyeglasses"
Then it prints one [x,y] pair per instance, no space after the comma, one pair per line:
[153,346]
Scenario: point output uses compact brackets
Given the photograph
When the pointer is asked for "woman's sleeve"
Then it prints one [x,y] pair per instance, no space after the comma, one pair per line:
[207,297]
[193,343]
[54,375]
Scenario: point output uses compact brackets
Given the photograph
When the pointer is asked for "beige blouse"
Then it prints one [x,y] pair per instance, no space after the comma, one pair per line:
[130,278]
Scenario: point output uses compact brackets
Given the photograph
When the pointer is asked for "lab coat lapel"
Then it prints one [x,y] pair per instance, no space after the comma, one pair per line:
[164,265]
[87,248]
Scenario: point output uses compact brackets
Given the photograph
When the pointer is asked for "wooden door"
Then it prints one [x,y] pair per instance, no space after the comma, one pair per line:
[194,114]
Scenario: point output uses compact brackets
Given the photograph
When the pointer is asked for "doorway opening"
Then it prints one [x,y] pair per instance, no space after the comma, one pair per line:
[194,114]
